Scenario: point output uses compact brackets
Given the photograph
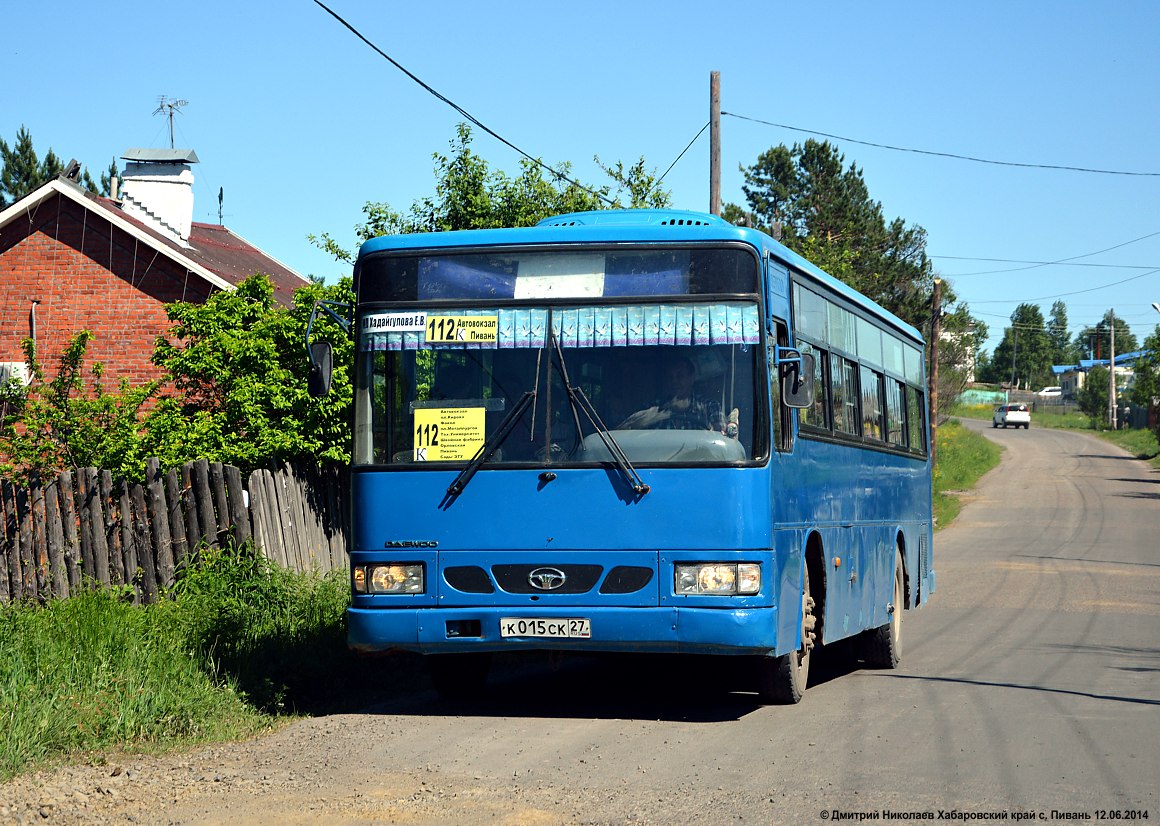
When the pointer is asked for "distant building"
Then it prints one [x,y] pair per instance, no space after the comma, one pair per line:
[962,347]
[71,260]
[1071,377]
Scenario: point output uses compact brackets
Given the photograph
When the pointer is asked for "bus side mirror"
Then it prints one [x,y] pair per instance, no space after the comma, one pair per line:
[797,377]
[321,368]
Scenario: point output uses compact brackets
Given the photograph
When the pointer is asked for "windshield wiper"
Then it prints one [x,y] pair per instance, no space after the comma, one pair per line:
[580,403]
[489,447]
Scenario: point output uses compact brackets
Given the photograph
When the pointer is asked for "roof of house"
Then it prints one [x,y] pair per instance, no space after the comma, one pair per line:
[1087,364]
[215,253]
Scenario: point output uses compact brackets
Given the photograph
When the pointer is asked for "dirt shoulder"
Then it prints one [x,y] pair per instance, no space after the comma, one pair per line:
[306,773]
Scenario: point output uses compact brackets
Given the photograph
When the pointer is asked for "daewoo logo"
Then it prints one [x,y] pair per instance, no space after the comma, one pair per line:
[411,543]
[547,579]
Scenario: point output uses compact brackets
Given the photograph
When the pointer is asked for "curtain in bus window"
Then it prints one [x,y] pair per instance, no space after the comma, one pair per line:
[841,329]
[895,422]
[844,401]
[606,326]
[915,406]
[871,403]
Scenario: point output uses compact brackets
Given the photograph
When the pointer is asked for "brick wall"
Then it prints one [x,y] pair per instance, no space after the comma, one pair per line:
[86,274]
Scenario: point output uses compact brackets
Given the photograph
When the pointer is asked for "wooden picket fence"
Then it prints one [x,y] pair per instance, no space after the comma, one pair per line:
[85,529]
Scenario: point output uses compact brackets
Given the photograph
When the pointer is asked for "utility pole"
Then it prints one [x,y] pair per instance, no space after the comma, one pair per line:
[715,143]
[1014,351]
[932,389]
[1112,373]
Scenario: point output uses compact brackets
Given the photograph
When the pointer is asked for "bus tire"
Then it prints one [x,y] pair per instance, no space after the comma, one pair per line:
[883,645]
[783,679]
[458,676]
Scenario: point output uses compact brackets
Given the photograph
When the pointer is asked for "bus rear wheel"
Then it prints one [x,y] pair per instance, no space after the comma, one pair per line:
[458,676]
[882,646]
[783,679]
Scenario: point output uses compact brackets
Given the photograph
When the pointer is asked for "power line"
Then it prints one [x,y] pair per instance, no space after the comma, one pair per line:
[559,175]
[683,151]
[1061,295]
[1058,261]
[1037,263]
[943,154]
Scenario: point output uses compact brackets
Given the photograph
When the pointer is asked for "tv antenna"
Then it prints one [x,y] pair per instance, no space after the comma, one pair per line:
[167,107]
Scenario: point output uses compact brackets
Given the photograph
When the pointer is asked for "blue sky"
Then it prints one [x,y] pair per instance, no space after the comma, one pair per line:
[301,124]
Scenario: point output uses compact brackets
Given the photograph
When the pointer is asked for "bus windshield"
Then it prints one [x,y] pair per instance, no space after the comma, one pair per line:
[674,383]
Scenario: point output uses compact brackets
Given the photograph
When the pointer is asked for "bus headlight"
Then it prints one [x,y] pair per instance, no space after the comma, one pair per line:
[720,578]
[389,578]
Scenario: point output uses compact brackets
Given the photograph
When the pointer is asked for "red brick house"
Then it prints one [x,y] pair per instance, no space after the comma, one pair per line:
[71,260]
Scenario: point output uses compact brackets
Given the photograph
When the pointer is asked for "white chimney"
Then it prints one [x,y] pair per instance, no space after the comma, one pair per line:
[157,189]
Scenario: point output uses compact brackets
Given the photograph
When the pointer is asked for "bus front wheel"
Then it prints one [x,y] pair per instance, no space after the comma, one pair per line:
[883,645]
[783,679]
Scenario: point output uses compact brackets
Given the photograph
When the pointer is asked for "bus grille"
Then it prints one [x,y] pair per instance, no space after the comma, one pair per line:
[578,579]
[470,579]
[514,579]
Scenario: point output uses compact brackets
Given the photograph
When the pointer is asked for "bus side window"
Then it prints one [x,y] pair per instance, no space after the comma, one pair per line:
[844,401]
[816,415]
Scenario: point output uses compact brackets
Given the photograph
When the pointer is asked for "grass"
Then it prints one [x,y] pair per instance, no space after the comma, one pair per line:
[95,672]
[236,648]
[962,457]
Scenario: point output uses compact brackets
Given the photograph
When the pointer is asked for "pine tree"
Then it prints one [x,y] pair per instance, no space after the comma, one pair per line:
[21,171]
[807,198]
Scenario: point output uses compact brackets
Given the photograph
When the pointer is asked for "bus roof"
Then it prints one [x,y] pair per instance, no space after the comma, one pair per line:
[621,226]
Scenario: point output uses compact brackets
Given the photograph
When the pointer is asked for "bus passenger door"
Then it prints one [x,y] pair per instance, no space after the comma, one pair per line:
[782,415]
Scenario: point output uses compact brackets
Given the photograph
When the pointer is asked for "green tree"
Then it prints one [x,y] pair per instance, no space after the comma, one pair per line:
[1146,385]
[239,365]
[1096,342]
[65,423]
[1093,396]
[1024,356]
[1063,349]
[471,195]
[805,197]
[21,171]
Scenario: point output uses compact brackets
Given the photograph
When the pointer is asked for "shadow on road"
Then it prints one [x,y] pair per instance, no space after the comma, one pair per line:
[1037,688]
[1088,560]
[687,688]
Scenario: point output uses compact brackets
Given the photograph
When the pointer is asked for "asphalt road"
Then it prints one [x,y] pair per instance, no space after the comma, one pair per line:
[1029,685]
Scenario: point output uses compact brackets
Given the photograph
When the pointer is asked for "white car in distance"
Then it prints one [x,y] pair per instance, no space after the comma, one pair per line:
[1012,415]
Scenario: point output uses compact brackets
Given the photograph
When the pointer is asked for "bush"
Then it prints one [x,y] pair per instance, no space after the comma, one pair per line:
[276,634]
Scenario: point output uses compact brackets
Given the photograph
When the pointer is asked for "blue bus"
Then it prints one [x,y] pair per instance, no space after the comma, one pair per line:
[629,431]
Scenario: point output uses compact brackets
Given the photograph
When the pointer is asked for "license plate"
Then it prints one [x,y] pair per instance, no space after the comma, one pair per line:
[566,628]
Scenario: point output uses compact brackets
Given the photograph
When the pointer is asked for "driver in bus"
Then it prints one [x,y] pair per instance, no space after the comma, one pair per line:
[680,407]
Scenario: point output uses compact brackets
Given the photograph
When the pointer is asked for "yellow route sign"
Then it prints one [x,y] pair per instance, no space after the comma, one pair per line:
[448,434]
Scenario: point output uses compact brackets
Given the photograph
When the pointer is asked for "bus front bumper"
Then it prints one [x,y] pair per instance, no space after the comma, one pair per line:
[673,630]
